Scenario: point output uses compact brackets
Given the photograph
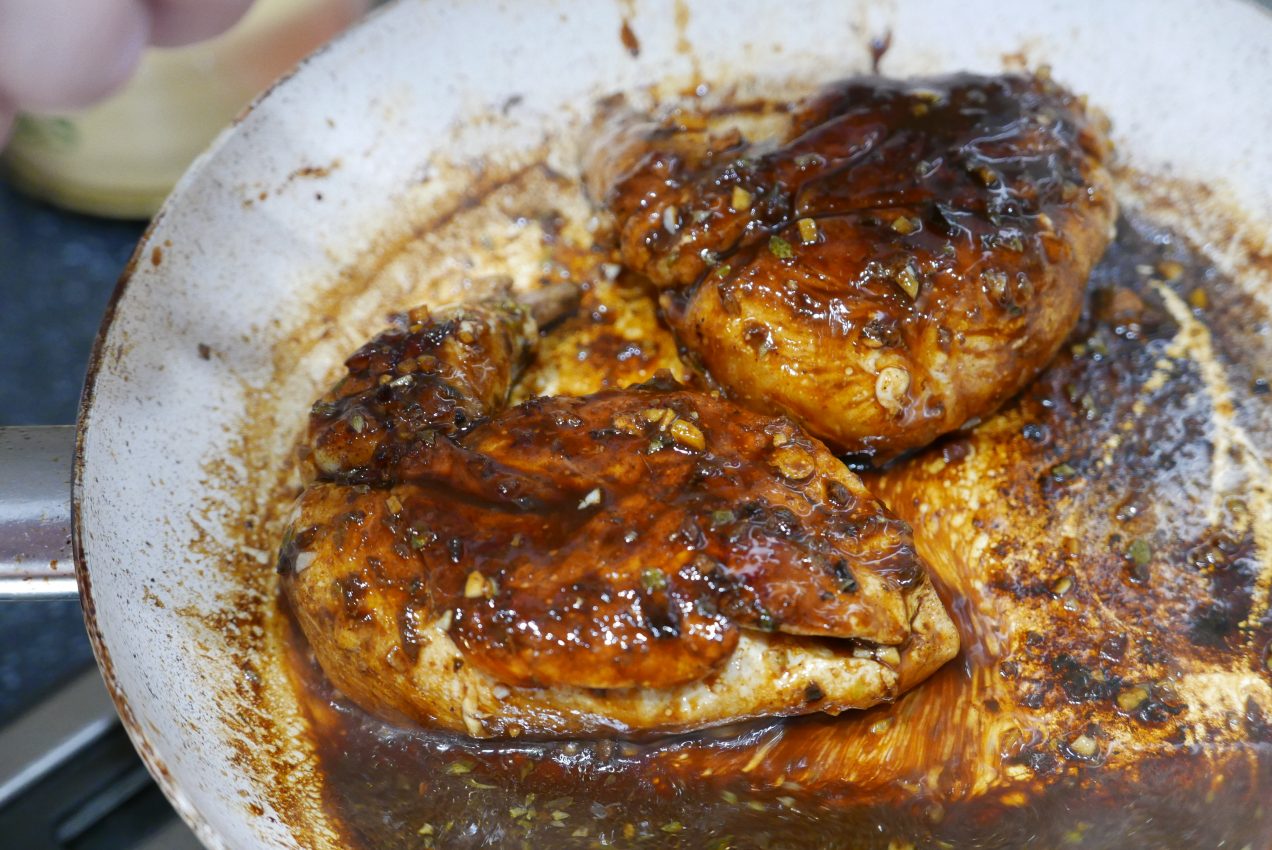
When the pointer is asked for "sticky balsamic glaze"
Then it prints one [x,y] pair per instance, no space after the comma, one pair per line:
[612,541]
[1093,562]
[903,261]
[1099,585]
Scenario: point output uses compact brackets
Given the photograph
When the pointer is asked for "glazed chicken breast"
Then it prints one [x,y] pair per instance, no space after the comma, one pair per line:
[642,559]
[905,258]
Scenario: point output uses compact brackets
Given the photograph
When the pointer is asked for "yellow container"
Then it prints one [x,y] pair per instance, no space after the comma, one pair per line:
[121,157]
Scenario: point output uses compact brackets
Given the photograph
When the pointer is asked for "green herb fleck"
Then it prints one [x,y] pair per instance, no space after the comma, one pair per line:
[421,537]
[1140,552]
[357,422]
[458,768]
[1063,472]
[721,518]
[653,579]
[672,826]
[780,248]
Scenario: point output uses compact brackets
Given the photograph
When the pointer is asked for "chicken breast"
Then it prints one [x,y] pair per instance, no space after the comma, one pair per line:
[645,559]
[908,257]
[698,565]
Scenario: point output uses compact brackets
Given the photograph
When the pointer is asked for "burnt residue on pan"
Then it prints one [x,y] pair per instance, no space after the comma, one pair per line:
[1103,542]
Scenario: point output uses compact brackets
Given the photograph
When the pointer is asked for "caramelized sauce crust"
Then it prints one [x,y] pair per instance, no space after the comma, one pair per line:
[906,260]
[1106,696]
[663,521]
[1096,540]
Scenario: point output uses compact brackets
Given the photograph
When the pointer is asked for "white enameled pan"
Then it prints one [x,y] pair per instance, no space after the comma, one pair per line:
[243,296]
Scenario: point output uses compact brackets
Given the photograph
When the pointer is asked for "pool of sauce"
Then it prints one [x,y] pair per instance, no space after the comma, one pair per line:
[1100,558]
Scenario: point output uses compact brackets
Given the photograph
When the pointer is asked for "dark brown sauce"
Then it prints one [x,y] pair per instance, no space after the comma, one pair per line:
[1100,574]
[630,42]
[879,47]
[942,227]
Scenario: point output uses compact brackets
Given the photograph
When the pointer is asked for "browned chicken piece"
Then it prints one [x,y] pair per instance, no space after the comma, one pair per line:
[427,376]
[906,259]
[648,559]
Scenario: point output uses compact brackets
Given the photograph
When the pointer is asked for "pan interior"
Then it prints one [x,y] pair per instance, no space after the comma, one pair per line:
[327,206]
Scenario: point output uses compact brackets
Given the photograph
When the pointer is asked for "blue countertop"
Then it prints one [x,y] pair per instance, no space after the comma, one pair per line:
[57,271]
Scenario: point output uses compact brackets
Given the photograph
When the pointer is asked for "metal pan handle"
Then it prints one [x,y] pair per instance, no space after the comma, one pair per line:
[35,513]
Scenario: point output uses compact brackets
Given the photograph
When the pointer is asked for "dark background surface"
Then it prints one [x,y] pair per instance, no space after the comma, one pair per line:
[57,272]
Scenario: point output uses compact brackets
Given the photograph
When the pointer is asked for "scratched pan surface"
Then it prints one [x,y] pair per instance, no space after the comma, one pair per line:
[1126,494]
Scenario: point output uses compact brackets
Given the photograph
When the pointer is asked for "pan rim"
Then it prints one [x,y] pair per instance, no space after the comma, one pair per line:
[155,764]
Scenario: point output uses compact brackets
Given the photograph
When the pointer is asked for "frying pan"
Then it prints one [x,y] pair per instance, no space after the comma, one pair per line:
[249,288]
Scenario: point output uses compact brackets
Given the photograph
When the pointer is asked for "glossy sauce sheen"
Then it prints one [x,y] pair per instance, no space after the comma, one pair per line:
[878,273]
[559,566]
[414,385]
[1113,690]
[621,540]
[711,538]
[1094,456]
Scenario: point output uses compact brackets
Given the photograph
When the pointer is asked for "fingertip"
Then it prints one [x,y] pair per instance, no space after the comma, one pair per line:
[178,22]
[65,54]
[118,66]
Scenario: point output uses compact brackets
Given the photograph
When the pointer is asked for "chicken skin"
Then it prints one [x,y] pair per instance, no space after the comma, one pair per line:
[644,559]
[908,257]
[426,376]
